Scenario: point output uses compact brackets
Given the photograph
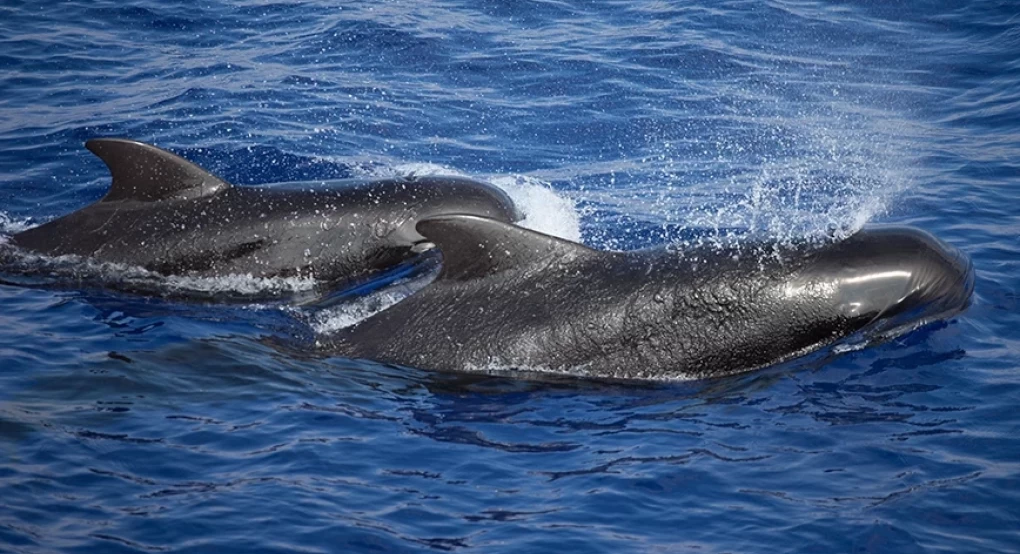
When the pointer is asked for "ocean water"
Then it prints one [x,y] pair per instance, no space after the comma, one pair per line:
[138,424]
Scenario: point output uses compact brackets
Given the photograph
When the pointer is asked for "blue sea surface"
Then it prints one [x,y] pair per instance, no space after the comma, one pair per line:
[131,423]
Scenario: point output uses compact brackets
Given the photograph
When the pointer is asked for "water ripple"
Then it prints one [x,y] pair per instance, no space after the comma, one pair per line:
[133,424]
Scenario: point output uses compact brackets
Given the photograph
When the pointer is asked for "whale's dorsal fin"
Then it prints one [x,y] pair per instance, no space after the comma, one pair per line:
[145,173]
[474,246]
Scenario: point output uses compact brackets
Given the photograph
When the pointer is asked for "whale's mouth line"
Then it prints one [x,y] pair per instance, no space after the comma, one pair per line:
[921,308]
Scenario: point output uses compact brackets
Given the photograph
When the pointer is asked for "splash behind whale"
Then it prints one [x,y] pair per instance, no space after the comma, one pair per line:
[170,216]
[511,298]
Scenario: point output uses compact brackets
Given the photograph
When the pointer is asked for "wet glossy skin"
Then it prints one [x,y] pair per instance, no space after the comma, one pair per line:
[169,216]
[534,302]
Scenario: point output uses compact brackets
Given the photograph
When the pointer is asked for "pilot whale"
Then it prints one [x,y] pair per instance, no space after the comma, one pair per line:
[172,217]
[512,298]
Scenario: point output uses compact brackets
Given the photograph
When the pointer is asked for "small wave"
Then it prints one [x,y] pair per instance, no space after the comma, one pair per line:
[539,372]
[30,268]
[10,225]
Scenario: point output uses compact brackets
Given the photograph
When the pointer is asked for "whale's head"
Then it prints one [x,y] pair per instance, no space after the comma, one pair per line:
[376,223]
[436,196]
[895,277]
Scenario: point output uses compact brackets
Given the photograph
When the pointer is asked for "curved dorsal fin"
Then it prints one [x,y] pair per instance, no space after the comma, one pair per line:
[474,246]
[145,173]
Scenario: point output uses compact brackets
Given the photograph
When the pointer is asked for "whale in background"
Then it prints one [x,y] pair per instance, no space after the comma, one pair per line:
[170,216]
[511,298]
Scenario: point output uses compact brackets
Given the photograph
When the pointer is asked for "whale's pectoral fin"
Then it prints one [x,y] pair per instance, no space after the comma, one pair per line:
[142,172]
[474,247]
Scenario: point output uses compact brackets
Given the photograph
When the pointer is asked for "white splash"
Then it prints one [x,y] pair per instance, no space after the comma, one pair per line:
[817,176]
[337,317]
[243,284]
[497,368]
[545,210]
[10,225]
[421,169]
[125,276]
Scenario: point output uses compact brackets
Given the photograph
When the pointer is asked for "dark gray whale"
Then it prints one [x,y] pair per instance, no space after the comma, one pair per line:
[170,216]
[507,297]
